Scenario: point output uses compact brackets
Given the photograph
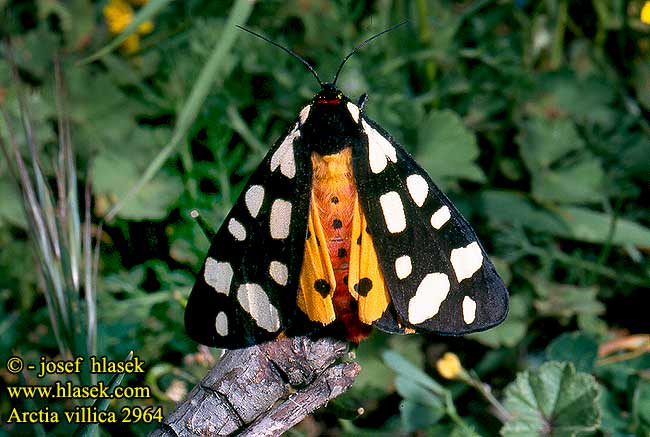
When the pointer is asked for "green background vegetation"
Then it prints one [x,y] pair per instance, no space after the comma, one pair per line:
[532,116]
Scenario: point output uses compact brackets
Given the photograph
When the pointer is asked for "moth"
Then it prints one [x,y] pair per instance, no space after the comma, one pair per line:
[339,228]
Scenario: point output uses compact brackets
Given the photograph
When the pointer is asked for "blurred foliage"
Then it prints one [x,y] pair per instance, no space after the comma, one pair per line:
[533,116]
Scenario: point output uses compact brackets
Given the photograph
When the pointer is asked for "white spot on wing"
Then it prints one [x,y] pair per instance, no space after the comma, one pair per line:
[279,272]
[466,260]
[430,294]
[391,206]
[255,302]
[280,220]
[221,324]
[469,310]
[304,113]
[237,230]
[354,111]
[380,150]
[440,217]
[403,266]
[418,188]
[218,275]
[254,197]
[283,157]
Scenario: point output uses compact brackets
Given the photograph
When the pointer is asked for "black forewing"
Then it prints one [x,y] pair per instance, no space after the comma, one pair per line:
[250,258]
[428,248]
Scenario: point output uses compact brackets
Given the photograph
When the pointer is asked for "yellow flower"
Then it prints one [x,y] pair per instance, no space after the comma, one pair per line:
[146,27]
[449,366]
[131,44]
[645,13]
[117,14]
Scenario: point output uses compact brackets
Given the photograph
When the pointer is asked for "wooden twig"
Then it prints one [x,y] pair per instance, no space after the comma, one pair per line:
[263,390]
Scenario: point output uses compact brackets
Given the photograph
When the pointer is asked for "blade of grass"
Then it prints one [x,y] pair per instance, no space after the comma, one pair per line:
[203,224]
[30,405]
[67,179]
[88,429]
[38,229]
[52,310]
[238,15]
[45,203]
[239,125]
[40,206]
[89,285]
[54,225]
[147,12]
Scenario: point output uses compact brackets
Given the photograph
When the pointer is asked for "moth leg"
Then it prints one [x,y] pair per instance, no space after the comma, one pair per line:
[363,99]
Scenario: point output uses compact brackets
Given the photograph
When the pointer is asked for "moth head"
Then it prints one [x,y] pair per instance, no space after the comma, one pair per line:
[328,95]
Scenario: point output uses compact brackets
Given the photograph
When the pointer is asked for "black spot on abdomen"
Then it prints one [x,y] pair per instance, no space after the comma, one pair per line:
[322,287]
[363,287]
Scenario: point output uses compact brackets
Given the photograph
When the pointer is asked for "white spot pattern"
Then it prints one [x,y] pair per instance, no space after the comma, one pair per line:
[430,294]
[237,230]
[304,114]
[255,302]
[380,150]
[284,157]
[279,272]
[403,266]
[391,206]
[254,198]
[418,188]
[280,220]
[469,310]
[221,324]
[354,111]
[218,275]
[440,217]
[466,260]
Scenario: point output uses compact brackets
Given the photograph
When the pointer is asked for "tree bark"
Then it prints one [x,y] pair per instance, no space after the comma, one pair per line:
[263,390]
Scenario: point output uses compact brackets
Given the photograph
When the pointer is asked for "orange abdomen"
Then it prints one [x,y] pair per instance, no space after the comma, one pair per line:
[335,193]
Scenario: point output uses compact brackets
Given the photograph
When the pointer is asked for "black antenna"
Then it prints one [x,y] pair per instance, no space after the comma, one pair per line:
[360,46]
[295,55]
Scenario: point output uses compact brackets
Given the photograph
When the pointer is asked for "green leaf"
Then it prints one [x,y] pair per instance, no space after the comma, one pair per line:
[641,404]
[514,208]
[574,347]
[420,408]
[11,207]
[512,330]
[552,400]
[405,368]
[447,149]
[614,422]
[34,51]
[423,404]
[622,375]
[588,99]
[374,368]
[641,82]
[572,222]
[547,147]
[115,175]
[578,183]
[583,224]
[564,301]
[544,141]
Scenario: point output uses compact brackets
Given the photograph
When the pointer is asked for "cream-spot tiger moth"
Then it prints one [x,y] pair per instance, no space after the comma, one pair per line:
[340,227]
